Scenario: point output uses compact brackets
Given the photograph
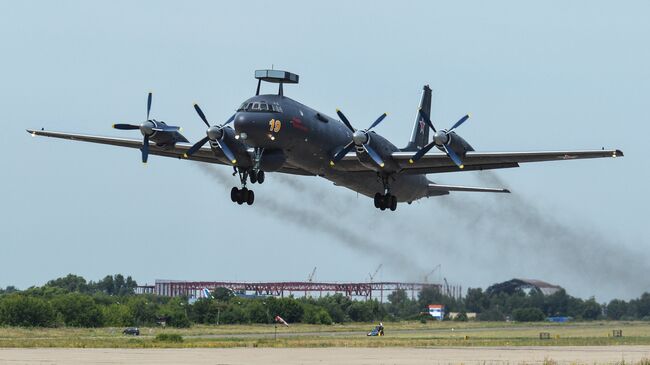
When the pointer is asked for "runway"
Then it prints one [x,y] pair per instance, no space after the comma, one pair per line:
[334,355]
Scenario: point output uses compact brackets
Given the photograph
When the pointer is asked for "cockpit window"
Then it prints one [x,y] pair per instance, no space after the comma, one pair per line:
[261,106]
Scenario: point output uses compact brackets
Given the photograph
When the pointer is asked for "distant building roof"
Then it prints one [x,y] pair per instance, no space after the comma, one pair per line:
[514,285]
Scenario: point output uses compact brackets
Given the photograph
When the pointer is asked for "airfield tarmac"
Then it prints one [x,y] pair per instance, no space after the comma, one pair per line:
[352,356]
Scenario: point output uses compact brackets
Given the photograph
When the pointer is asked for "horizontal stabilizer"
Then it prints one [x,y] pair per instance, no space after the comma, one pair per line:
[436,188]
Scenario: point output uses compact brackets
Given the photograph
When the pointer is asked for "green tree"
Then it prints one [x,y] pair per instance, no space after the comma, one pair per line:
[476,300]
[117,315]
[223,294]
[143,309]
[616,309]
[70,283]
[591,309]
[78,310]
[26,311]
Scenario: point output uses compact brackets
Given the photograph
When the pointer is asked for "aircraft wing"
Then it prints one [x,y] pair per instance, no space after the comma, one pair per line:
[205,154]
[436,162]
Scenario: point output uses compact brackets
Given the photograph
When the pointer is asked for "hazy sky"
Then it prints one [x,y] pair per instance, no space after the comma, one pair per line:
[544,75]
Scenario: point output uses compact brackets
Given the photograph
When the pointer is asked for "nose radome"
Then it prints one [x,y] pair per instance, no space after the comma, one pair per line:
[255,126]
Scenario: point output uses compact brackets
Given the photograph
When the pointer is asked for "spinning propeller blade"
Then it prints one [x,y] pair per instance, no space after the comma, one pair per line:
[440,139]
[125,127]
[357,136]
[149,104]
[147,128]
[215,134]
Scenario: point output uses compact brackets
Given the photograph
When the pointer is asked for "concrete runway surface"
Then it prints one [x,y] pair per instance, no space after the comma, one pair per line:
[334,355]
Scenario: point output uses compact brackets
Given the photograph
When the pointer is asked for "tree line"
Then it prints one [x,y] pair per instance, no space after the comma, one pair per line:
[73,301]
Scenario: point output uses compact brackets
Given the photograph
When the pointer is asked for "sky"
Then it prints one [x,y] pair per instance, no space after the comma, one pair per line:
[535,76]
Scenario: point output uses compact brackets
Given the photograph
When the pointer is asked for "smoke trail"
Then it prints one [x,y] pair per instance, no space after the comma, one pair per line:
[531,237]
[316,220]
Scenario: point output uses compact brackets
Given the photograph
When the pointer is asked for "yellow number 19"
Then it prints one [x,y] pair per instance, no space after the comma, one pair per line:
[274,125]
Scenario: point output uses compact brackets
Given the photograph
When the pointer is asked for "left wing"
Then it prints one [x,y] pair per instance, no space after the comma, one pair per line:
[439,162]
[205,154]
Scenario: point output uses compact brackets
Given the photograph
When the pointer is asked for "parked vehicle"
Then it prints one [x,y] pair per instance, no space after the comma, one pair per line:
[133,331]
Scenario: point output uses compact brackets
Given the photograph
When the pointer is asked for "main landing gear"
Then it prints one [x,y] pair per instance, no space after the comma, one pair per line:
[244,195]
[386,200]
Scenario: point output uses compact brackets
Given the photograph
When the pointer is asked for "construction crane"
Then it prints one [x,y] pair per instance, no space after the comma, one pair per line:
[310,278]
[447,288]
[426,277]
[372,276]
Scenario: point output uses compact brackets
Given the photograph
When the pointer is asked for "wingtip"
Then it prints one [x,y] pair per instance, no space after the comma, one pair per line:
[507,191]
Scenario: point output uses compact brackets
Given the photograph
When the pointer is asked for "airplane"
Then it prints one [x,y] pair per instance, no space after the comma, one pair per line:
[274,133]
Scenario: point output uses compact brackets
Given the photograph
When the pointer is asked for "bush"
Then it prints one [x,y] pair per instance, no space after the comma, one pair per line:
[168,337]
[491,315]
[527,315]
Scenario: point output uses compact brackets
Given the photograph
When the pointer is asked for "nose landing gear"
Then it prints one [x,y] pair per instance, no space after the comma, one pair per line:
[241,196]
[245,195]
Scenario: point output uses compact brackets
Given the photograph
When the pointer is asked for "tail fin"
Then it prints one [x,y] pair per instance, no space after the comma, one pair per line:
[420,135]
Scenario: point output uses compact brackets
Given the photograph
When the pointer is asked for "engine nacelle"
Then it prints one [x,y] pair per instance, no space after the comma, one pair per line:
[458,144]
[383,147]
[238,148]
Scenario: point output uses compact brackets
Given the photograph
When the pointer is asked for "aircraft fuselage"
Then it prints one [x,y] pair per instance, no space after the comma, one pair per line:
[308,139]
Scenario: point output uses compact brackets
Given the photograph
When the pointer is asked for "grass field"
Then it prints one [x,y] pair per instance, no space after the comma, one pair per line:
[402,334]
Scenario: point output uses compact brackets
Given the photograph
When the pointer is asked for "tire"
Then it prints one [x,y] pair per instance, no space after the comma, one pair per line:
[243,195]
[251,197]
[393,202]
[253,177]
[382,207]
[377,198]
[260,177]
[234,193]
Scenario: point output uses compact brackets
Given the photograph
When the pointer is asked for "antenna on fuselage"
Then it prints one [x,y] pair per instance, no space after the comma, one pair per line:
[276,77]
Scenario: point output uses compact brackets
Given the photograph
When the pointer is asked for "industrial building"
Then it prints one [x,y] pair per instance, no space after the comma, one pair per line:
[366,290]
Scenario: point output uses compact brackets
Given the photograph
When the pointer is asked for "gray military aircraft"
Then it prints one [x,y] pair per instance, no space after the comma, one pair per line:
[274,133]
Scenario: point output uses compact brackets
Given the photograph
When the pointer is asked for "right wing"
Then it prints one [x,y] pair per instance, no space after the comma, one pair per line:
[205,154]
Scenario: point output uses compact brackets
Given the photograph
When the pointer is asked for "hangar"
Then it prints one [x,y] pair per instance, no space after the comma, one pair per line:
[526,285]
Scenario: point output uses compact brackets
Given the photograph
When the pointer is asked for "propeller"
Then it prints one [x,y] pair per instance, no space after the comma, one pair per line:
[147,128]
[215,134]
[441,139]
[361,138]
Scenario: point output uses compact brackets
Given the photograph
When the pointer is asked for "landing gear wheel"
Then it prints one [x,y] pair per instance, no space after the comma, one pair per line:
[393,202]
[377,200]
[253,177]
[260,177]
[250,198]
[234,193]
[243,196]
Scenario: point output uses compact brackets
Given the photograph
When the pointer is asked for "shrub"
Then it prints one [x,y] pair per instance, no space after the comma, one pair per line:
[527,315]
[491,315]
[168,337]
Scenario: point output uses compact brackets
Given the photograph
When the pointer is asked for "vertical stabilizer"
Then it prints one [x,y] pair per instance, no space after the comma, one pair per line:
[420,135]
